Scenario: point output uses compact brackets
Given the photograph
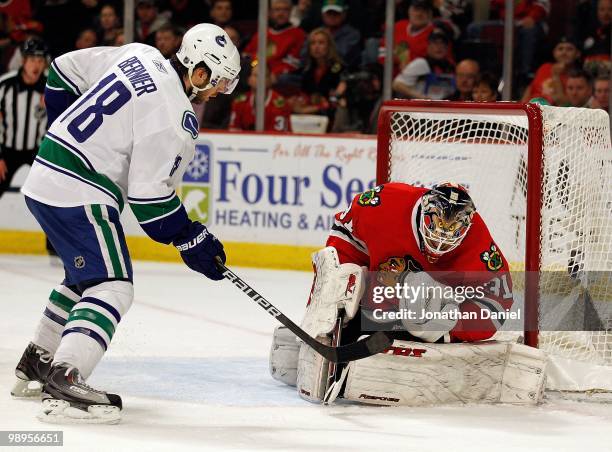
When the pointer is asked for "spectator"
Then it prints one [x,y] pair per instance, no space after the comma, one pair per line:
[359,99]
[320,76]
[346,38]
[430,77]
[221,12]
[551,78]
[299,12]
[485,88]
[233,34]
[466,74]
[119,39]
[578,89]
[457,12]
[601,93]
[168,40]
[593,29]
[187,13]
[277,108]
[284,41]
[87,38]
[148,21]
[410,35]
[529,18]
[108,25]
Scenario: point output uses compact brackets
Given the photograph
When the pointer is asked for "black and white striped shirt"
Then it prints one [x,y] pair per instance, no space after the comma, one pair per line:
[22,113]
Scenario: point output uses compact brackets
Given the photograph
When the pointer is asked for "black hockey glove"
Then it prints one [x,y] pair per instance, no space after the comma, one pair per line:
[198,248]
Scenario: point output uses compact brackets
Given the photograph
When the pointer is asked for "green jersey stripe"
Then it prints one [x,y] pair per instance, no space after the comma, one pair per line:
[148,212]
[55,81]
[102,221]
[61,301]
[94,317]
[64,158]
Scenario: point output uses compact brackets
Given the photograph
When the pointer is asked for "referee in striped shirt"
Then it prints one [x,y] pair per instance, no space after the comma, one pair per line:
[23,118]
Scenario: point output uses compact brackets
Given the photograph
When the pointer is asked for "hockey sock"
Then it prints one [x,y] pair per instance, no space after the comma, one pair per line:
[92,323]
[49,331]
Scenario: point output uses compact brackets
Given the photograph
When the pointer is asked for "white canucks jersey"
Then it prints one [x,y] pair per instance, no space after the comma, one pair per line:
[129,136]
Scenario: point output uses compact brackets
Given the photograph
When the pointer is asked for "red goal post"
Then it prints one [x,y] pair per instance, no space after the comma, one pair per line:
[540,176]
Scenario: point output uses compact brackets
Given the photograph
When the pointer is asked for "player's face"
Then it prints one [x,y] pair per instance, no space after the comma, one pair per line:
[33,67]
[200,79]
[442,234]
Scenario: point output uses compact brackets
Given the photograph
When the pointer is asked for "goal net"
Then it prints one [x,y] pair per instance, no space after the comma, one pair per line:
[541,178]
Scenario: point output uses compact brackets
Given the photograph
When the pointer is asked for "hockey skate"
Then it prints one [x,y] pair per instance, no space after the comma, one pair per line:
[67,399]
[31,371]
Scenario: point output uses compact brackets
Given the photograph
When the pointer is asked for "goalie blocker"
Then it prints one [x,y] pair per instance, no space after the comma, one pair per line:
[408,373]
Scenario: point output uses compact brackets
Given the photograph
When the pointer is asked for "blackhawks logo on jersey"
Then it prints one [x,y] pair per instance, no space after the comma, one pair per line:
[492,258]
[392,270]
[279,102]
[370,197]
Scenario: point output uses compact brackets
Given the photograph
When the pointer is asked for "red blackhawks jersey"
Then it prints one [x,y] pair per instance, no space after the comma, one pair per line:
[277,112]
[380,230]
[283,50]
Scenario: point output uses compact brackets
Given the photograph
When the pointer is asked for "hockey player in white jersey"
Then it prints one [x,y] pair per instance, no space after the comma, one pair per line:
[123,129]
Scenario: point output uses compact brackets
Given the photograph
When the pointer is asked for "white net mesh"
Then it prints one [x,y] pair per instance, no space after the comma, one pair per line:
[488,154]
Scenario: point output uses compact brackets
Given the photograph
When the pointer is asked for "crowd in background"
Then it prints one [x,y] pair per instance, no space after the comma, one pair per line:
[325,56]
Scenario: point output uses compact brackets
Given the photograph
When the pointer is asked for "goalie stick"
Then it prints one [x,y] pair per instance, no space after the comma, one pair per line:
[363,348]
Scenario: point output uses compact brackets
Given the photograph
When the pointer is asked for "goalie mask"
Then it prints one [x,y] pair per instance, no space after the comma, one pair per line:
[446,216]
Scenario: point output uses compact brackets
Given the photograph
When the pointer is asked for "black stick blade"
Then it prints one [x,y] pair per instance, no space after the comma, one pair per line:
[371,345]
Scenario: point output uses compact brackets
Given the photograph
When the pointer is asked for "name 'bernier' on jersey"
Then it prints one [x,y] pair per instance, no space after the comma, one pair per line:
[122,129]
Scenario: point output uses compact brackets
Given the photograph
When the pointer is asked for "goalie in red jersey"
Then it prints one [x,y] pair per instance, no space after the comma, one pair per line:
[421,263]
[399,230]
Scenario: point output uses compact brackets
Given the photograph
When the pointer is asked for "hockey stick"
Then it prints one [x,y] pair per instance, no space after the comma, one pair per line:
[363,348]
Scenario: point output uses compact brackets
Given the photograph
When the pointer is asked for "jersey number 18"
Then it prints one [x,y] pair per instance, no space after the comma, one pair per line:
[89,120]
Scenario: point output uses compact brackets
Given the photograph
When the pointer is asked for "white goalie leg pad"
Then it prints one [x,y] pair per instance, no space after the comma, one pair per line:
[422,374]
[284,355]
[336,286]
[312,373]
[524,377]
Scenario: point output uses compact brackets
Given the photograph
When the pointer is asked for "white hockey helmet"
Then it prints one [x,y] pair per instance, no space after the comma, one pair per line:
[210,44]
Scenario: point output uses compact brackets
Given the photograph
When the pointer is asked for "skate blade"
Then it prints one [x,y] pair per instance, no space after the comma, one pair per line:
[26,389]
[56,411]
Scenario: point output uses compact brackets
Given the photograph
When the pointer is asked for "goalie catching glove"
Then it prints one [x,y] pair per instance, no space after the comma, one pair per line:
[435,315]
[199,248]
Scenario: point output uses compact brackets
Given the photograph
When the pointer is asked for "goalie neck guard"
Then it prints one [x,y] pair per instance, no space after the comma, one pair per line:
[446,217]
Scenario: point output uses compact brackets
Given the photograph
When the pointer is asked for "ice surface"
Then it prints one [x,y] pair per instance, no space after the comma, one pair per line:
[190,361]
